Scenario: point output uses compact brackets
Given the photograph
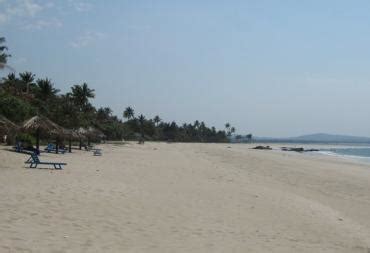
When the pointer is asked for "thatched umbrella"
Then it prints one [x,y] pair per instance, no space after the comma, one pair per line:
[102,137]
[70,135]
[82,133]
[94,133]
[91,133]
[41,124]
[6,126]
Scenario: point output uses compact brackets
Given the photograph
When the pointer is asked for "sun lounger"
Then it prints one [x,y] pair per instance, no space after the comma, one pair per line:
[89,147]
[18,148]
[34,161]
[97,152]
[51,148]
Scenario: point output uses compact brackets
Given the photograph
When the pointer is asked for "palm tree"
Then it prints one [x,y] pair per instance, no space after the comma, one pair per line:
[129,113]
[142,121]
[27,78]
[229,129]
[12,84]
[3,55]
[157,120]
[46,89]
[104,114]
[81,95]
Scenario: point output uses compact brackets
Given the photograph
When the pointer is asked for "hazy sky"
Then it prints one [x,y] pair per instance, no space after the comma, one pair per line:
[272,68]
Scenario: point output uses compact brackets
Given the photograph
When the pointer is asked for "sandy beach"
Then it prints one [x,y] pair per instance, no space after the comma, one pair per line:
[162,197]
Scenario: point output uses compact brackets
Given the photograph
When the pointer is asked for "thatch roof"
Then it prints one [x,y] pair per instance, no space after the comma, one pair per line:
[72,134]
[6,126]
[90,132]
[94,132]
[42,124]
[82,131]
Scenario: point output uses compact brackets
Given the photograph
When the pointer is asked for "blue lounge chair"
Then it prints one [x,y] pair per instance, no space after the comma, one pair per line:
[34,161]
[18,147]
[51,148]
[97,152]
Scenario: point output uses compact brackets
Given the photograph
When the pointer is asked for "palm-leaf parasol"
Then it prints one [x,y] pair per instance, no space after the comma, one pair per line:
[89,133]
[41,125]
[6,126]
[82,133]
[70,135]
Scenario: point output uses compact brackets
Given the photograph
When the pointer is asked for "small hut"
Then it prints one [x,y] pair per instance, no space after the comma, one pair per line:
[40,125]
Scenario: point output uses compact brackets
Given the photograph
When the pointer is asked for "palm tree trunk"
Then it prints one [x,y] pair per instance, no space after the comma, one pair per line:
[70,145]
[38,141]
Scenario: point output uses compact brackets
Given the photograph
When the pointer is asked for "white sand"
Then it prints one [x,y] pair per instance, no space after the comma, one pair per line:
[162,197]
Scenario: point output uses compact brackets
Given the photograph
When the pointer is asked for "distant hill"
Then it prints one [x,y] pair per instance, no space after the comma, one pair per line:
[317,138]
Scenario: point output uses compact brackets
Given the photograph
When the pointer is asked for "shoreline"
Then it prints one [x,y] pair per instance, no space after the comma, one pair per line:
[325,150]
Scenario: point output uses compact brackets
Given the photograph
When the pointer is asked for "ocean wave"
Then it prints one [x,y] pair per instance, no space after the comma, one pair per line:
[347,154]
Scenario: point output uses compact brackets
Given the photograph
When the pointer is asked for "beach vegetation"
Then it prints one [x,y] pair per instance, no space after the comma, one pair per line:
[24,95]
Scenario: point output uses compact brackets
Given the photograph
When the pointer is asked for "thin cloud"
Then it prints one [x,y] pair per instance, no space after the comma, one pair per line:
[86,39]
[24,8]
[27,11]
[42,24]
[81,6]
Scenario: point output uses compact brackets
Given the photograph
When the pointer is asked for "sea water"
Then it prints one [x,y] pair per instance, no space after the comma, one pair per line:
[360,153]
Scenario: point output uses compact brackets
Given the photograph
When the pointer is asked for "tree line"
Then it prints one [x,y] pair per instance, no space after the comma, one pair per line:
[24,95]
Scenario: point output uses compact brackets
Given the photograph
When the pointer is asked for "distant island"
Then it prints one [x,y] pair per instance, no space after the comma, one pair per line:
[316,138]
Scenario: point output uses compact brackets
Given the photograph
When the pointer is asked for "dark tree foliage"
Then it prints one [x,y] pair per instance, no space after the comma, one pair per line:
[3,54]
[21,98]
[15,109]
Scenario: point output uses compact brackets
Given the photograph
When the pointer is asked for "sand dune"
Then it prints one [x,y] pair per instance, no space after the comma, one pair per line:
[162,197]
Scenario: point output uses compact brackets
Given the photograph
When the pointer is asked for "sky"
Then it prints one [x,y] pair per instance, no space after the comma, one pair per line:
[270,68]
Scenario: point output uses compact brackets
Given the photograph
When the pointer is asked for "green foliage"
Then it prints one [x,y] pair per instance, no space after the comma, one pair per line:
[45,89]
[129,113]
[26,139]
[74,110]
[3,55]
[14,108]
[81,95]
